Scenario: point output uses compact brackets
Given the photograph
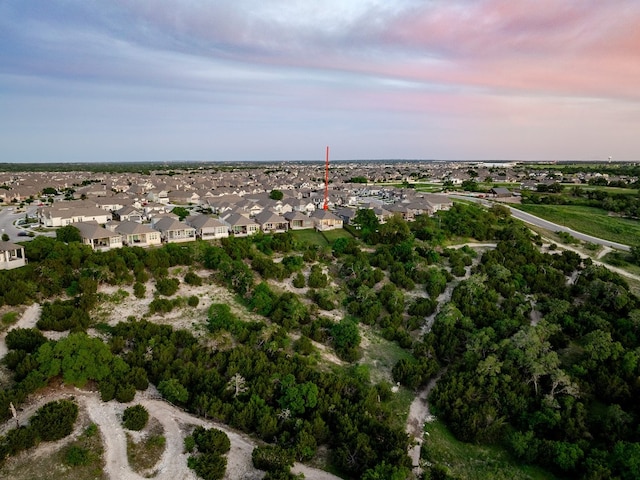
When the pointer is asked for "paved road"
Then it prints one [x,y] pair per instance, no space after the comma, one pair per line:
[8,218]
[554,227]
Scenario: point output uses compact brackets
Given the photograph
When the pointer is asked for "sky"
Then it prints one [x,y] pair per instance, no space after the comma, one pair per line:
[279,80]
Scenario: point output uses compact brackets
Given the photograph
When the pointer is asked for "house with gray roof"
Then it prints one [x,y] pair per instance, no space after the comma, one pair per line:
[174,231]
[240,226]
[136,234]
[271,222]
[97,237]
[207,228]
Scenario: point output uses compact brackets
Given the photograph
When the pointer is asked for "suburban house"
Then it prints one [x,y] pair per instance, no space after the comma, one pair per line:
[271,222]
[207,228]
[437,202]
[11,256]
[325,220]
[97,237]
[240,226]
[63,214]
[174,231]
[346,214]
[407,213]
[298,220]
[128,213]
[138,235]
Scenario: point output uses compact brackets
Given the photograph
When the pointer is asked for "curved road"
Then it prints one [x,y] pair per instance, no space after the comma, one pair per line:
[539,222]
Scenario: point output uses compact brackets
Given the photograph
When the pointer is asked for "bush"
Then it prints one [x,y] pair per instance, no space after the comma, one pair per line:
[211,440]
[76,456]
[173,391]
[139,290]
[54,420]
[192,279]
[299,281]
[193,301]
[167,286]
[27,339]
[208,466]
[125,393]
[271,458]
[135,417]
[107,391]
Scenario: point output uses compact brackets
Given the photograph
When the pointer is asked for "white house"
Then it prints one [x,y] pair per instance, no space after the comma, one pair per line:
[97,237]
[207,228]
[137,234]
[11,256]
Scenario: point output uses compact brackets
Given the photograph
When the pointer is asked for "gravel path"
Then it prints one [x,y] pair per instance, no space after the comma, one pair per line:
[28,320]
[176,423]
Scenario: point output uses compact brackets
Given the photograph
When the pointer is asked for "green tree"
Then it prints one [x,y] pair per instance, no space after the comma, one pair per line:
[173,391]
[368,223]
[54,420]
[346,339]
[181,212]
[135,417]
[68,234]
[276,195]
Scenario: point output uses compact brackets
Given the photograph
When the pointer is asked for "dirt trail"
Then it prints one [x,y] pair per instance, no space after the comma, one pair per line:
[28,320]
[176,423]
[419,414]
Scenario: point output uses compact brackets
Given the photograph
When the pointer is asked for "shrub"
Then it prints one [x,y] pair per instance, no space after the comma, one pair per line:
[208,466]
[193,301]
[299,281]
[173,391]
[125,393]
[54,420]
[192,278]
[271,458]
[27,339]
[167,286]
[135,417]
[139,290]
[107,391]
[76,456]
[211,440]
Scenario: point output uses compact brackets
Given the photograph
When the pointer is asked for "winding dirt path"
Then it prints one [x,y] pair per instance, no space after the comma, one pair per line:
[419,414]
[28,320]
[176,423]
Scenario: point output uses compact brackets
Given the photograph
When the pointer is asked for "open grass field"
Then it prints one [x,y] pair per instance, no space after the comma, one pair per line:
[310,235]
[332,235]
[589,220]
[465,460]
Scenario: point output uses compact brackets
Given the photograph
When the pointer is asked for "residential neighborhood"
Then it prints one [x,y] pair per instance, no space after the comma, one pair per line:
[115,209]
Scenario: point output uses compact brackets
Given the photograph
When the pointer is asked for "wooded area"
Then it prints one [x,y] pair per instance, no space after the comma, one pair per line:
[540,351]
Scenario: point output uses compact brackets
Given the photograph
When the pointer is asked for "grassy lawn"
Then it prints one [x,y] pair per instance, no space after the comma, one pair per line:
[309,235]
[589,220]
[332,235]
[465,460]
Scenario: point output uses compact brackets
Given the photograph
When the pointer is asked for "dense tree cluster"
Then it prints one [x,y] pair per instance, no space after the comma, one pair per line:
[559,391]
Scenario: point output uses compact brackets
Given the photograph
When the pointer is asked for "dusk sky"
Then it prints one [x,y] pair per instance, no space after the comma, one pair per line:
[231,80]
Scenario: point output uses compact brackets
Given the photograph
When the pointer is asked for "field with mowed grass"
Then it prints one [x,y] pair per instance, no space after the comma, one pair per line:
[310,235]
[480,462]
[589,220]
[333,235]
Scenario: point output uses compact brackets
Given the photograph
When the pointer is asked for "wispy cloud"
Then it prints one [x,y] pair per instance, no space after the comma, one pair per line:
[458,66]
